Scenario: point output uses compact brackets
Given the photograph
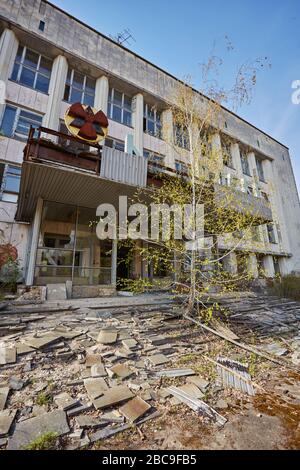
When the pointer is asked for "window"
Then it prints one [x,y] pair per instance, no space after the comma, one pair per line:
[32,69]
[181,167]
[271,233]
[245,164]
[152,121]
[16,122]
[119,107]
[182,137]
[260,169]
[10,177]
[153,157]
[42,26]
[79,88]
[226,153]
[250,190]
[115,144]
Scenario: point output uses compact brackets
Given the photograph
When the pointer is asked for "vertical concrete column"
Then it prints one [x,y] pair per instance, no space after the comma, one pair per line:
[101,94]
[269,266]
[114,258]
[230,263]
[284,266]
[168,136]
[253,171]
[252,267]
[236,159]
[34,242]
[137,122]
[56,92]
[144,261]
[8,49]
[217,150]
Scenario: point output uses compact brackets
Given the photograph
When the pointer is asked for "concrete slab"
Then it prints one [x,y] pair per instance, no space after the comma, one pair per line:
[113,396]
[56,292]
[85,421]
[30,429]
[98,371]
[23,348]
[95,387]
[134,409]
[121,370]
[107,336]
[8,356]
[192,390]
[92,359]
[43,340]
[4,391]
[158,359]
[198,381]
[130,344]
[64,401]
[6,420]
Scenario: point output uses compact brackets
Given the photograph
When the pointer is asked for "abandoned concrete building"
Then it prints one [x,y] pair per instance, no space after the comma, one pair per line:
[49,60]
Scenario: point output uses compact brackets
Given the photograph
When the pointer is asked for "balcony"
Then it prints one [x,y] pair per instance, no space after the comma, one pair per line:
[62,168]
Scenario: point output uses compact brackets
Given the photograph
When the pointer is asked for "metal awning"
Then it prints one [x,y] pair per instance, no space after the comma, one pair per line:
[65,185]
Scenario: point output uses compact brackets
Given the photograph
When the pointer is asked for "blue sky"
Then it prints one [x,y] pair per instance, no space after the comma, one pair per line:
[178,35]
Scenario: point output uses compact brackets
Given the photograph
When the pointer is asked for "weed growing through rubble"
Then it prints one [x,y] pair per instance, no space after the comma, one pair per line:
[45,442]
[43,399]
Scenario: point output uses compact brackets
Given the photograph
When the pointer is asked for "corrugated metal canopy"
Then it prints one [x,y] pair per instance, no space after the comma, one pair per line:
[65,185]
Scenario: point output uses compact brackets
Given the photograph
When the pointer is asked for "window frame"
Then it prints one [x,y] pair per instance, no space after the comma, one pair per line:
[154,158]
[181,137]
[157,124]
[18,110]
[123,108]
[260,169]
[36,70]
[81,90]
[7,172]
[244,158]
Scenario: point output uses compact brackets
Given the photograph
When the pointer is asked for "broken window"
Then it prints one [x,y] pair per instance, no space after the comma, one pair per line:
[16,122]
[182,137]
[271,233]
[260,169]
[245,164]
[152,121]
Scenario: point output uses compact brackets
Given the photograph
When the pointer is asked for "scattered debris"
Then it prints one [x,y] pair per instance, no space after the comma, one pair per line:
[198,405]
[30,429]
[134,409]
[175,372]
[113,396]
[234,374]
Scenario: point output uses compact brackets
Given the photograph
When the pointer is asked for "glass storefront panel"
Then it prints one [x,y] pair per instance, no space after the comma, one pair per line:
[69,248]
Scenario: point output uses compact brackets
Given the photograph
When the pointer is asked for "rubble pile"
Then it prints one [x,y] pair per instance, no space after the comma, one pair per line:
[86,374]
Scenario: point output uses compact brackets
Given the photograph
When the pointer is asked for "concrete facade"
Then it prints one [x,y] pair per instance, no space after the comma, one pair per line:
[71,45]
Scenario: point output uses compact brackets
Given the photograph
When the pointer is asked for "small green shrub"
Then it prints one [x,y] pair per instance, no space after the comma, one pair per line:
[43,399]
[45,442]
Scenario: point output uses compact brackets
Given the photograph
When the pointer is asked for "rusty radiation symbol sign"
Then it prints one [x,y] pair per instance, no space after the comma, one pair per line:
[86,123]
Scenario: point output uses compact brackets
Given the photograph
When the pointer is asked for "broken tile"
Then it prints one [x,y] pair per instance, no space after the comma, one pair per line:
[113,396]
[175,372]
[23,348]
[89,422]
[81,408]
[43,341]
[4,391]
[134,409]
[15,383]
[7,356]
[30,429]
[121,370]
[130,344]
[64,401]
[93,359]
[95,387]
[6,420]
[107,336]
[192,390]
[158,359]
[197,380]
[98,370]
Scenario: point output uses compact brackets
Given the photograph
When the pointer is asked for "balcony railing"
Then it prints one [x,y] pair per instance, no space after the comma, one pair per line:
[62,149]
